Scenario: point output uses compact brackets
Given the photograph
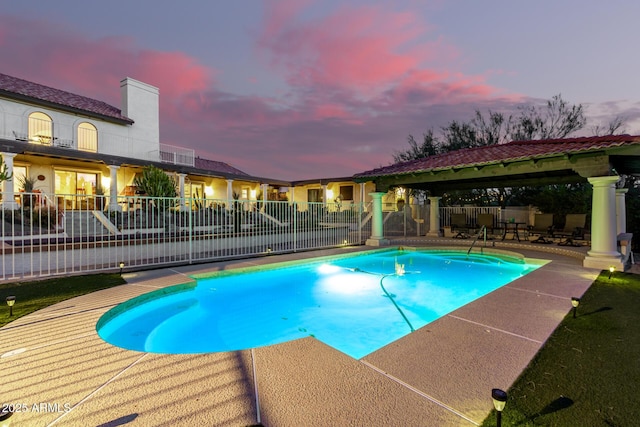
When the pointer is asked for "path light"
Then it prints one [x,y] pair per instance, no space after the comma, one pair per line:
[10,301]
[575,302]
[121,266]
[499,401]
[611,270]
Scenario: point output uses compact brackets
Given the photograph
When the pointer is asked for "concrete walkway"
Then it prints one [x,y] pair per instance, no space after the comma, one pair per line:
[57,370]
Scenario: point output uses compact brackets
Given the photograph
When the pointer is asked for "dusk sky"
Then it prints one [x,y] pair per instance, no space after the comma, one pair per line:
[302,89]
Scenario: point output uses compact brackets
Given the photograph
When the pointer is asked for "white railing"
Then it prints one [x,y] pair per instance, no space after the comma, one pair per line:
[177,155]
[63,135]
[80,234]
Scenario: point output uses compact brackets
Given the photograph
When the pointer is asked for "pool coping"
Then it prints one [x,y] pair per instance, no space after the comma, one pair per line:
[441,374]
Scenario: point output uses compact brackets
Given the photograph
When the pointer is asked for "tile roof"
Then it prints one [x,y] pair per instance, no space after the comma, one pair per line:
[12,86]
[510,152]
[215,166]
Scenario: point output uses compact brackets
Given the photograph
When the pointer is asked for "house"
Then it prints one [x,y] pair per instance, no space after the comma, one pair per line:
[74,148]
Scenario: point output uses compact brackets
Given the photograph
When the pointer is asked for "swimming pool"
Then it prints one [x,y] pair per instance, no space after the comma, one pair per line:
[356,303]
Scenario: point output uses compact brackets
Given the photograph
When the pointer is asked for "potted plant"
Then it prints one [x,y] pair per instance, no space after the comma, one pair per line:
[27,185]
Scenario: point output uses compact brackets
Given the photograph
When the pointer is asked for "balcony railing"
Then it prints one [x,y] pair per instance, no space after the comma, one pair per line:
[177,155]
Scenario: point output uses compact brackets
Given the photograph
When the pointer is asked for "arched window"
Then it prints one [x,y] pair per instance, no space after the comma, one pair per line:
[40,128]
[87,137]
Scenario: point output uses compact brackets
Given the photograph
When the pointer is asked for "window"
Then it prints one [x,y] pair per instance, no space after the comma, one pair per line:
[40,129]
[75,188]
[314,195]
[87,137]
[346,192]
[19,173]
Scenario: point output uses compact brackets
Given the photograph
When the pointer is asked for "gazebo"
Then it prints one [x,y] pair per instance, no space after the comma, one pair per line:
[599,160]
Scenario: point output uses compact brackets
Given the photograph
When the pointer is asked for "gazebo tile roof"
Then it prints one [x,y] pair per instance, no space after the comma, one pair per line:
[509,152]
[13,85]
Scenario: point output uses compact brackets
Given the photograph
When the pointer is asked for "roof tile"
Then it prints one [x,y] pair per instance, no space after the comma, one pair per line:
[60,97]
[512,151]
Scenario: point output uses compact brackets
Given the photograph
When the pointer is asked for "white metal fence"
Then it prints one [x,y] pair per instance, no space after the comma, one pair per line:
[72,233]
[78,233]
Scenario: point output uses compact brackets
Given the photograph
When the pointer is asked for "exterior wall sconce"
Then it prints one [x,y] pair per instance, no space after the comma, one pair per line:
[10,301]
[499,398]
[575,302]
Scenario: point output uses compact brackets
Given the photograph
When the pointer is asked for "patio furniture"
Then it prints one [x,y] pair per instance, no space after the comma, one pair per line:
[542,227]
[486,220]
[460,226]
[574,229]
[512,227]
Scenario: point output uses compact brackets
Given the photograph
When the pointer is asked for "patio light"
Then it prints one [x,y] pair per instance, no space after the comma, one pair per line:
[611,270]
[10,301]
[121,266]
[499,401]
[575,302]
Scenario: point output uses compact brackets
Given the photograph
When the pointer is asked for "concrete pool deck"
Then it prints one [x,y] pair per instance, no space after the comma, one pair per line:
[58,371]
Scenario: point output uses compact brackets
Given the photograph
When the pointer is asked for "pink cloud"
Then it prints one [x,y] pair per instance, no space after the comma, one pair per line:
[94,68]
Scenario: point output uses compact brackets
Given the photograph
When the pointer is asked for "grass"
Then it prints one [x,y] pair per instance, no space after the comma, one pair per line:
[32,296]
[588,371]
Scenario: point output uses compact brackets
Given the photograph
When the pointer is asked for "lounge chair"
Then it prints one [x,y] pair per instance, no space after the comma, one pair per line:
[486,220]
[574,229]
[542,227]
[460,226]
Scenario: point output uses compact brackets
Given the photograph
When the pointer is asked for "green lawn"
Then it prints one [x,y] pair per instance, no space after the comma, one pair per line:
[588,372]
[32,296]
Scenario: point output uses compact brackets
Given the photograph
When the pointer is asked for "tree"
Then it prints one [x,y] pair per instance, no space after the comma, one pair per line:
[429,147]
[556,119]
[5,175]
[155,183]
[615,127]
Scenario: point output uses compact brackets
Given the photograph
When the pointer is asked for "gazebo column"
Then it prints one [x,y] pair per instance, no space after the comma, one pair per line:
[114,206]
[8,195]
[621,210]
[604,249]
[434,216]
[377,237]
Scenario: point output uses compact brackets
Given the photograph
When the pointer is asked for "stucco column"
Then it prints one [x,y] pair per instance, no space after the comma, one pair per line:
[621,210]
[8,196]
[362,194]
[604,248]
[113,189]
[229,191]
[183,204]
[264,188]
[324,195]
[377,237]
[434,216]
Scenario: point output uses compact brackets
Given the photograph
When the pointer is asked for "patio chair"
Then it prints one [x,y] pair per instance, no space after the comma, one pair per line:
[574,229]
[542,227]
[460,226]
[486,220]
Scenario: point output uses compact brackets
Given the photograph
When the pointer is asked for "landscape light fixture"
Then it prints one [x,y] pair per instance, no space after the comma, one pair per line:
[499,401]
[10,301]
[269,249]
[611,270]
[121,266]
[575,302]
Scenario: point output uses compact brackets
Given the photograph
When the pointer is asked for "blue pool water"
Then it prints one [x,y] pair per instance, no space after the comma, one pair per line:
[355,303]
